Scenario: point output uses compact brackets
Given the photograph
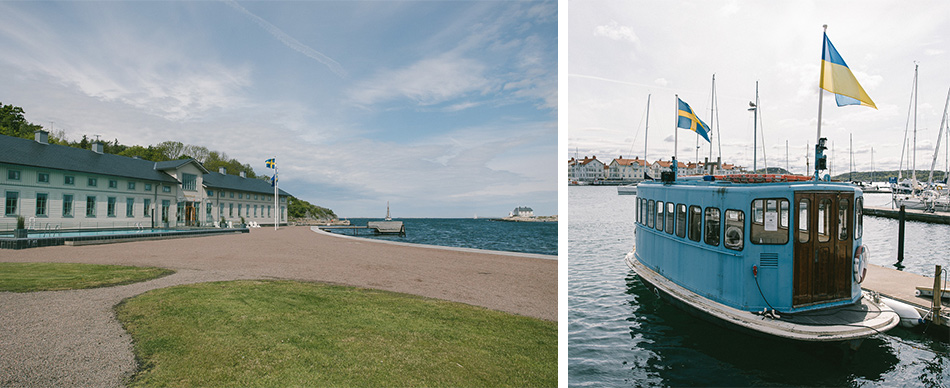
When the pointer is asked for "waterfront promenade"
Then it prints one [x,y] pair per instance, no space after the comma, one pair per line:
[71,338]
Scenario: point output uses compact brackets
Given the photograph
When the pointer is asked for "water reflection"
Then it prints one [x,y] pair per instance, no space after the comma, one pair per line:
[682,350]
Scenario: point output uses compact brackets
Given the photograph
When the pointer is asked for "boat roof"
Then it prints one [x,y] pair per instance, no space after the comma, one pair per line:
[754,181]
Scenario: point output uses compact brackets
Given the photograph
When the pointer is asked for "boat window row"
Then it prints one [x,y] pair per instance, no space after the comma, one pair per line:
[769,224]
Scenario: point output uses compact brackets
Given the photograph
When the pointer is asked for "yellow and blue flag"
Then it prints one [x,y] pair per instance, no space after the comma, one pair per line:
[273,182]
[688,120]
[270,163]
[837,78]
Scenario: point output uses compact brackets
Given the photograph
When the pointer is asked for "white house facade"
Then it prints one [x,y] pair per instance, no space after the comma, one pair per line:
[58,187]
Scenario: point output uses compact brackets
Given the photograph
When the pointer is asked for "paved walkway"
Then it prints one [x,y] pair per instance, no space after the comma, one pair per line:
[71,338]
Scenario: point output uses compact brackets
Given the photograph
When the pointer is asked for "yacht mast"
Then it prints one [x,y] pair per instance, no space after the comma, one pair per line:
[943,123]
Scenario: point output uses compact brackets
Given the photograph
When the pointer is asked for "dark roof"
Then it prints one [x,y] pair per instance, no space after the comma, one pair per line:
[217,180]
[26,152]
[174,164]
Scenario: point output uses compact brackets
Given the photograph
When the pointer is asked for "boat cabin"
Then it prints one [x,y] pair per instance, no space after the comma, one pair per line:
[755,241]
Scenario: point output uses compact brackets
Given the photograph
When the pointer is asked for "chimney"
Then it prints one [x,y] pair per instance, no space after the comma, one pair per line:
[41,136]
[223,171]
[243,174]
[97,147]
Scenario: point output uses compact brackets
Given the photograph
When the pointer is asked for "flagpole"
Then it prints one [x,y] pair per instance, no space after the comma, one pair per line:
[821,94]
[276,198]
[676,107]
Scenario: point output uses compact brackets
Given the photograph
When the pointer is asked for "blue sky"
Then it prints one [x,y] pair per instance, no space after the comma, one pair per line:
[621,51]
[444,109]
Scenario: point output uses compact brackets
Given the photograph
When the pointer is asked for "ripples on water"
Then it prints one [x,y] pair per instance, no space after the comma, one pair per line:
[481,233]
[621,334]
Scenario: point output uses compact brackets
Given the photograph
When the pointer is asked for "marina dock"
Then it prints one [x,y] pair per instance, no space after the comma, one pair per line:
[936,217]
[902,286]
[374,228]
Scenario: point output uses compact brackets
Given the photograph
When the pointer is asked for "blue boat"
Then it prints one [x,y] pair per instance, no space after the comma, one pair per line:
[780,255]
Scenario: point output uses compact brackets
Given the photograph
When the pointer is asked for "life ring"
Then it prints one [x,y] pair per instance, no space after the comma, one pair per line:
[861,255]
[733,236]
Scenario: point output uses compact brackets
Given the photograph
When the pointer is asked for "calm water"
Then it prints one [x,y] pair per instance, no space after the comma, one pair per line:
[482,233]
[620,334]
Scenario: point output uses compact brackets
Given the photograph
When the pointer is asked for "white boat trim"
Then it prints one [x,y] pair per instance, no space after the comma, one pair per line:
[884,321]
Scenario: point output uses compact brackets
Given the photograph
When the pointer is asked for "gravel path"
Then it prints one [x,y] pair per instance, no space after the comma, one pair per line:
[71,338]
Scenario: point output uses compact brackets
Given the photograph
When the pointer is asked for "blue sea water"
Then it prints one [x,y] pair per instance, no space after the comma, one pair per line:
[481,233]
[620,334]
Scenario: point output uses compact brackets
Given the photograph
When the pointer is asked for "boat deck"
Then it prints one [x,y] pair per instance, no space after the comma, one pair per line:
[843,315]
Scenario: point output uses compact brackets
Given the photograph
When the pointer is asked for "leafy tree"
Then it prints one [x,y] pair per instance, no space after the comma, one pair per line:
[297,208]
[13,123]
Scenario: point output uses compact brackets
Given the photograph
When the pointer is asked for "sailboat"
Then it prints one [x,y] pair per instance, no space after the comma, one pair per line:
[912,194]
[388,226]
[632,189]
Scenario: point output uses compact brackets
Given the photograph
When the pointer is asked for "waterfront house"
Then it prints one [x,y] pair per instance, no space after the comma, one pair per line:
[55,186]
[628,170]
[522,211]
[589,170]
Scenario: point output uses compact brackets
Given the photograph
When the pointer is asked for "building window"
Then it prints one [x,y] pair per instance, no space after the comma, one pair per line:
[148,187]
[113,184]
[189,182]
[221,210]
[208,212]
[11,203]
[90,206]
[13,175]
[231,194]
[41,202]
[239,210]
[42,177]
[67,205]
[210,193]
[166,189]
[69,180]
[92,182]
[110,206]
[131,185]
[240,195]
[147,204]
[221,193]
[255,197]
[230,210]
[130,207]
[165,205]
[255,211]
[268,211]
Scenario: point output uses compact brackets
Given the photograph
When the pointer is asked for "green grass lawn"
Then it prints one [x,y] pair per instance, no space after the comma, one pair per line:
[29,277]
[283,333]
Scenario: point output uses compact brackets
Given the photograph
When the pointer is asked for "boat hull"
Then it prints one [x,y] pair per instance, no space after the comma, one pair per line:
[842,324]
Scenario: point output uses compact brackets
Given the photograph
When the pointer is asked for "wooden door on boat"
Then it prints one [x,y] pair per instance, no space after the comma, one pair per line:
[822,247]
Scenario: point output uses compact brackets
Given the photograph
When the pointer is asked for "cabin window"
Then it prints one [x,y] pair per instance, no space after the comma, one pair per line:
[824,220]
[643,211]
[843,212]
[681,220]
[712,226]
[659,215]
[803,220]
[858,218]
[695,223]
[651,211]
[735,229]
[670,208]
[769,221]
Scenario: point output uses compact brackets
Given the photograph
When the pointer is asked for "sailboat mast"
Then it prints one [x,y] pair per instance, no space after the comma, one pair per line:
[712,106]
[943,123]
[755,128]
[915,123]
[646,134]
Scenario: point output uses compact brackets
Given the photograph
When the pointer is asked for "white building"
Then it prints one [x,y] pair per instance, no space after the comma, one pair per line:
[589,170]
[629,170]
[522,211]
[55,186]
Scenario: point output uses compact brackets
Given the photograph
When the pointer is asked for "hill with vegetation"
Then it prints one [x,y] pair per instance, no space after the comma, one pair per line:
[13,123]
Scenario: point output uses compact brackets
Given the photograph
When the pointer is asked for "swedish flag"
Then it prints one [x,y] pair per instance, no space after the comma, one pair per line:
[271,163]
[688,120]
[836,77]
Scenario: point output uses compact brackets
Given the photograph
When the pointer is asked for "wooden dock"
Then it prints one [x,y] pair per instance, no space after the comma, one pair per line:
[902,286]
[936,217]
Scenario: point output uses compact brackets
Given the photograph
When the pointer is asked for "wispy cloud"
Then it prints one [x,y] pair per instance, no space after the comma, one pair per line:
[289,41]
[426,82]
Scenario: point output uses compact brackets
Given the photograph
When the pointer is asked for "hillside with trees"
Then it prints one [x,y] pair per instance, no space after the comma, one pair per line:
[13,123]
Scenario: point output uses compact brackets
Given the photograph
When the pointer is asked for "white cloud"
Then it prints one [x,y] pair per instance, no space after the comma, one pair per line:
[429,81]
[615,31]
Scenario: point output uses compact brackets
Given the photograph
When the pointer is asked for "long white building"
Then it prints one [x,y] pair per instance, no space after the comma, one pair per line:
[55,186]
